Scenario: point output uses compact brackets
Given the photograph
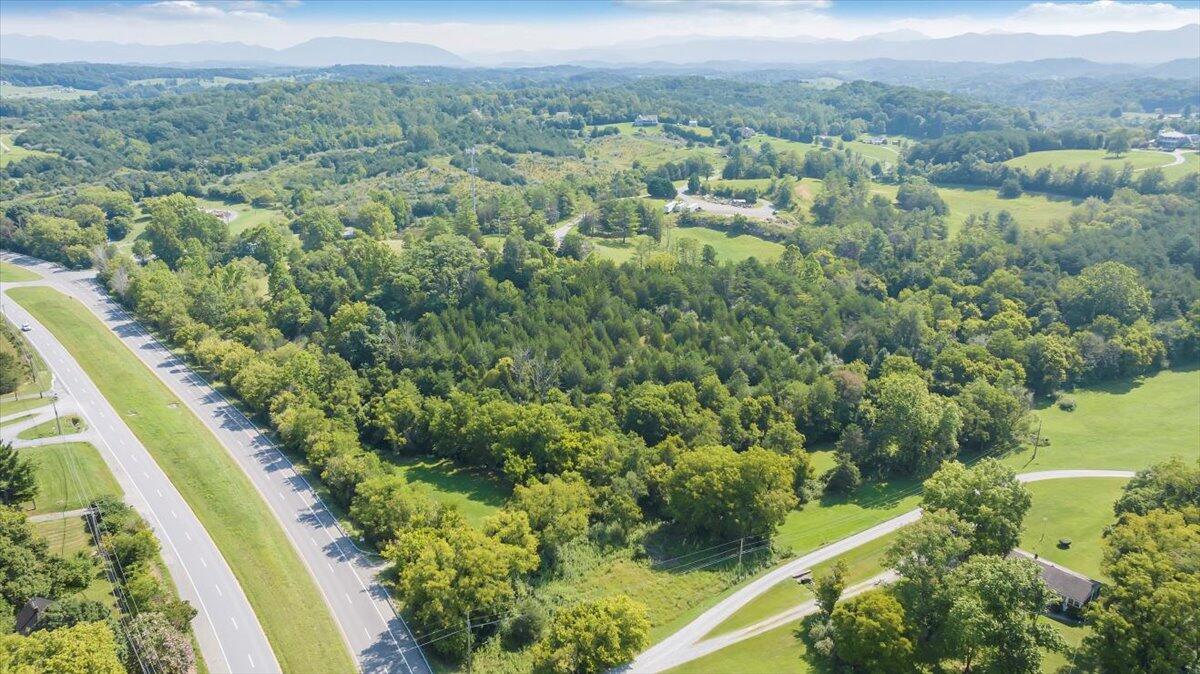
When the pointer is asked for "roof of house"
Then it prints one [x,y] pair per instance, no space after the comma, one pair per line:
[27,617]
[1065,582]
[1170,133]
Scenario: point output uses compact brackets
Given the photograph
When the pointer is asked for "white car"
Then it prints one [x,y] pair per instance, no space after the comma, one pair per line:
[25,327]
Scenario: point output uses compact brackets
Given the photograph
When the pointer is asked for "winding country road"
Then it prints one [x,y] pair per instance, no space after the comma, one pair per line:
[376,635]
[226,628]
[684,645]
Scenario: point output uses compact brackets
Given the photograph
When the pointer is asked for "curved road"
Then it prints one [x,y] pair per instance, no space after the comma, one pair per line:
[679,647]
[226,628]
[375,634]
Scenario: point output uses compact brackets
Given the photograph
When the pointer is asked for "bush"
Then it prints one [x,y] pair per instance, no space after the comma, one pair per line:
[1066,403]
[1010,189]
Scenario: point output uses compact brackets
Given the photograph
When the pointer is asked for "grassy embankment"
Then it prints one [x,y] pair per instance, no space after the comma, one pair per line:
[11,152]
[288,605]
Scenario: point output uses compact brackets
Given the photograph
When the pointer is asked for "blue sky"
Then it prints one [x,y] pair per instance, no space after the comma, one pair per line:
[472,26]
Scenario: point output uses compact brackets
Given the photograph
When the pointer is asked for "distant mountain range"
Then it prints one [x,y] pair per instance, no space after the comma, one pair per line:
[1154,46]
[318,52]
[1144,47]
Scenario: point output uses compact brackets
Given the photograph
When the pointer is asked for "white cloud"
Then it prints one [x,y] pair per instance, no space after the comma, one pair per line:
[728,5]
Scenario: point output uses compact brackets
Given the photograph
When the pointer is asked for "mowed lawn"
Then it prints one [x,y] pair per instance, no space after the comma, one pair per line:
[287,602]
[1093,159]
[729,247]
[862,563]
[1078,509]
[11,273]
[69,476]
[1191,164]
[475,496]
[247,216]
[64,425]
[1125,425]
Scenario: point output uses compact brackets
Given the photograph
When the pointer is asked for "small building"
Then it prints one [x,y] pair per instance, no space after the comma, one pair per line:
[646,120]
[31,613]
[693,122]
[349,233]
[746,132]
[1076,589]
[876,140]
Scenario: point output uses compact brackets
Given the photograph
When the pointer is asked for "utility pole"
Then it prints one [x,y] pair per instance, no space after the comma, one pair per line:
[54,404]
[468,641]
[741,547]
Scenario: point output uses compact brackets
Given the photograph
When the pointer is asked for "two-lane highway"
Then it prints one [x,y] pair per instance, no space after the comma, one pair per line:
[375,634]
[226,628]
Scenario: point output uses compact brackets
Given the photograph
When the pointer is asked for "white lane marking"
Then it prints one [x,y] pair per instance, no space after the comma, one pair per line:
[219,592]
[349,600]
[145,475]
[159,492]
[174,514]
[204,563]
[187,535]
[235,625]
[252,665]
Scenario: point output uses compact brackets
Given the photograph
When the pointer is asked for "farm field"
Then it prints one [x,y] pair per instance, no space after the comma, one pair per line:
[1032,211]
[69,476]
[282,593]
[11,152]
[1075,509]
[1093,159]
[649,149]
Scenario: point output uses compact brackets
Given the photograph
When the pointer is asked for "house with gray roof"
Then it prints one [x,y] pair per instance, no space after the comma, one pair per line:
[1076,589]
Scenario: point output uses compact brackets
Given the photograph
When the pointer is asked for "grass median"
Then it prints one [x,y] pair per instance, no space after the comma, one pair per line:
[284,597]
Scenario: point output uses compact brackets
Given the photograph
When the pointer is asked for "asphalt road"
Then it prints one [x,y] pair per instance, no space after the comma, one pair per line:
[377,637]
[682,646]
[226,628]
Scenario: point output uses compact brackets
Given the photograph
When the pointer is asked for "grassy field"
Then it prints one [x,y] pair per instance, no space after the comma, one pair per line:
[1126,425]
[1191,164]
[11,273]
[48,429]
[247,216]
[475,496]
[42,378]
[779,651]
[285,599]
[53,92]
[1093,159]
[650,149]
[1074,509]
[10,406]
[67,536]
[11,152]
[1032,211]
[729,248]
[69,476]
[862,563]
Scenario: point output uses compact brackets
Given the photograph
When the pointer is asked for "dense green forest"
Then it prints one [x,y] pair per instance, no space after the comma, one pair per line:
[397,306]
